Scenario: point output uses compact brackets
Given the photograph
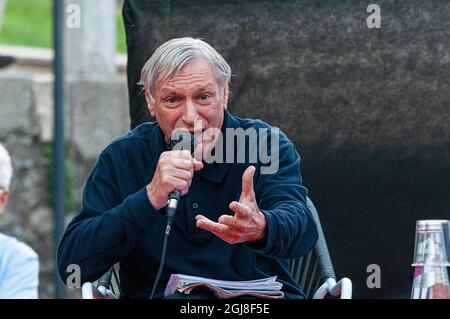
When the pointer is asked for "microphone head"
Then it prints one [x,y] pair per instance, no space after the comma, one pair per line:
[182,140]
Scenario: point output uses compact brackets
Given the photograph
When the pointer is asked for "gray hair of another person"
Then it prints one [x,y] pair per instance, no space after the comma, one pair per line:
[170,57]
[6,169]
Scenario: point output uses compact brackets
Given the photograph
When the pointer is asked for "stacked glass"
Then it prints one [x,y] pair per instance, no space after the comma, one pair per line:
[431,259]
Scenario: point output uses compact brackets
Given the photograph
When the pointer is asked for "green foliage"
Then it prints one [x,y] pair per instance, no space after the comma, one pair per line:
[121,38]
[29,23]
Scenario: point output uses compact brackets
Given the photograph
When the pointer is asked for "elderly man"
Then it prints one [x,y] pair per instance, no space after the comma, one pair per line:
[19,264]
[221,230]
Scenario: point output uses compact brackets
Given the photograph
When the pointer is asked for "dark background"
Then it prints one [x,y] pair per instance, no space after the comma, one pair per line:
[368,109]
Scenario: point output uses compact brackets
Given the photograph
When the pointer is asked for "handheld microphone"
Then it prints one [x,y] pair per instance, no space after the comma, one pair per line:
[180,140]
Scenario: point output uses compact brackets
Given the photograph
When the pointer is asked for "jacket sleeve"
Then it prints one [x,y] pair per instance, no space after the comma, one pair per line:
[107,228]
[281,197]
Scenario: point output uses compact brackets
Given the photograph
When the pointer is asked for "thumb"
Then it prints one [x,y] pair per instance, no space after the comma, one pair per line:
[197,165]
[247,182]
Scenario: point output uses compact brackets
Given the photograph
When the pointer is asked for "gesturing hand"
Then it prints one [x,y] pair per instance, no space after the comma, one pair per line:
[248,223]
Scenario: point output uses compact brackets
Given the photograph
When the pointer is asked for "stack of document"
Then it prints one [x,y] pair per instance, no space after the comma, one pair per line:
[223,289]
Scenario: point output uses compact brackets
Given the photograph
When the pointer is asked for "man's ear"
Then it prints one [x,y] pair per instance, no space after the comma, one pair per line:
[4,196]
[150,103]
[225,96]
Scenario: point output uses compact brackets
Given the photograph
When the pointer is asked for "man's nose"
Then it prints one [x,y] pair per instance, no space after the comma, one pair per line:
[190,113]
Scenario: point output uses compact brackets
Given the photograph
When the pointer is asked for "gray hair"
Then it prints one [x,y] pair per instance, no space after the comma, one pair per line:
[170,57]
[5,169]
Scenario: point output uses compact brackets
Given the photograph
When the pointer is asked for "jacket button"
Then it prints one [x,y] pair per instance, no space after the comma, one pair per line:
[194,205]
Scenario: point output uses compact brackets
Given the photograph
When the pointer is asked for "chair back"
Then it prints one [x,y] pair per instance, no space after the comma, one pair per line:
[313,269]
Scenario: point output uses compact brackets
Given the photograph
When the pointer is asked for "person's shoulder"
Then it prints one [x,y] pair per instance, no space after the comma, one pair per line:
[12,247]
[142,132]
[252,122]
[259,124]
[140,135]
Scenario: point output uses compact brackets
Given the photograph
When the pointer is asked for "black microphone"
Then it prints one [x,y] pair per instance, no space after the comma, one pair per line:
[179,140]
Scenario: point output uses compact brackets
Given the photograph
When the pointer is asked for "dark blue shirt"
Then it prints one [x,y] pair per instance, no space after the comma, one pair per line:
[117,222]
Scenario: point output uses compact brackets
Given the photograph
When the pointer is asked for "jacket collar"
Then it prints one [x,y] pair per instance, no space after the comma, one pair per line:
[214,172]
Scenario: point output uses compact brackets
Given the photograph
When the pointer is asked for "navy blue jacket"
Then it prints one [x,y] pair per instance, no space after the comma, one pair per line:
[117,222]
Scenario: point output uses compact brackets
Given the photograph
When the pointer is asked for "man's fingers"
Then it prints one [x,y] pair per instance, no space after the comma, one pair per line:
[227,229]
[247,182]
[230,221]
[187,163]
[185,190]
[178,183]
[240,209]
[197,165]
[216,228]
[182,154]
[183,174]
[182,163]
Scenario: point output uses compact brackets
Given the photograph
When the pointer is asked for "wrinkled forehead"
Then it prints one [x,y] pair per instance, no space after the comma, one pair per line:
[196,74]
[192,87]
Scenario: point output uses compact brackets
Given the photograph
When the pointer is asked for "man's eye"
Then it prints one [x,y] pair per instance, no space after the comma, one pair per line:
[204,97]
[171,100]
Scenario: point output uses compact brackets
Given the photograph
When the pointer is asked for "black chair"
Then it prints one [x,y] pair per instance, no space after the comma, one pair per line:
[314,271]
[106,287]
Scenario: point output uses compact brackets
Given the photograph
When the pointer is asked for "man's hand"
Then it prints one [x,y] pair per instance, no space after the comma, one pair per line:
[248,223]
[175,170]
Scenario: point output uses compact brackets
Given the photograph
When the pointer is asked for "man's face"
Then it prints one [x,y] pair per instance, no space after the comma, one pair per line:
[191,95]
